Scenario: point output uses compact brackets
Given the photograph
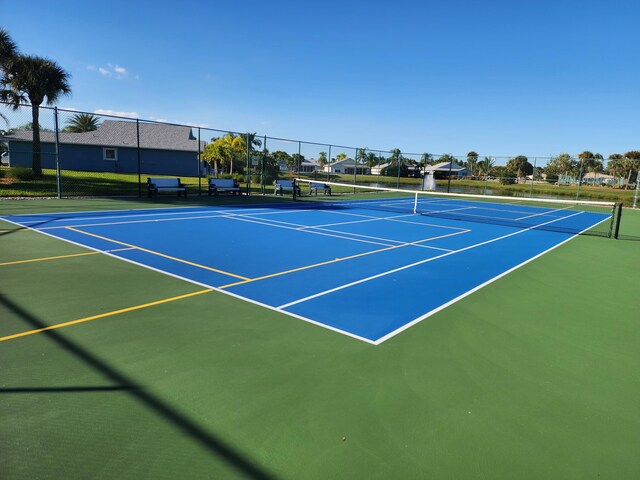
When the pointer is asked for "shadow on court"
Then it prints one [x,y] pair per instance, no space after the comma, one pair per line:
[204,438]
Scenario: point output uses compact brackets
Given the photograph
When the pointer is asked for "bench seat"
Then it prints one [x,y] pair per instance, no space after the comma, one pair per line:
[315,186]
[221,185]
[281,186]
[157,185]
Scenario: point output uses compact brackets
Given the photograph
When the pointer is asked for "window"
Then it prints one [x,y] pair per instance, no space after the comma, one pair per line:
[110,154]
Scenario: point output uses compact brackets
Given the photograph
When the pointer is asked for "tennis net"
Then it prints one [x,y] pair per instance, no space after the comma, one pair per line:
[566,216]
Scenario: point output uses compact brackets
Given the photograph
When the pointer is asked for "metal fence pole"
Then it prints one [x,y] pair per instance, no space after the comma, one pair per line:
[138,155]
[248,172]
[58,175]
[533,175]
[580,178]
[355,170]
[635,197]
[199,165]
[329,167]
[264,158]
[449,182]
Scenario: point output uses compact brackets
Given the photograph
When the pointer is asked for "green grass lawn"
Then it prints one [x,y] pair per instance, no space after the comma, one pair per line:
[76,183]
[532,377]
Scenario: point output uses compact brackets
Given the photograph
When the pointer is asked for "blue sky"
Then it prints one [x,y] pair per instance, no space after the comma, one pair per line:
[499,77]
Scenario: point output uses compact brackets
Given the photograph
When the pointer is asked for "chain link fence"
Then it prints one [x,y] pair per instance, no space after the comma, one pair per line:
[88,154]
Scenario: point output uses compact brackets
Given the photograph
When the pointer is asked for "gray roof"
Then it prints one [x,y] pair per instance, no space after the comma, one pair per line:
[444,167]
[115,133]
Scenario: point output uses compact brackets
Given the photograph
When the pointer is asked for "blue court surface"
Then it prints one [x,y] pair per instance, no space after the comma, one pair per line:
[365,273]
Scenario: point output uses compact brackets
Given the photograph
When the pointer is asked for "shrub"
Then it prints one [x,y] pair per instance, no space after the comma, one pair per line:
[506,180]
[21,173]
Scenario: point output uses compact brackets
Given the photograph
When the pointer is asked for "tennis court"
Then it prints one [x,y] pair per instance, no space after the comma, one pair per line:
[265,338]
[343,265]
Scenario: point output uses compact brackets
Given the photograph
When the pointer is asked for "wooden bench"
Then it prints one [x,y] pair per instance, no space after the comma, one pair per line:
[220,185]
[156,185]
[315,186]
[281,186]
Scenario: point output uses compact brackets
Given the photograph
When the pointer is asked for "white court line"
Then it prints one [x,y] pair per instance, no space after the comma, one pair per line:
[543,213]
[340,234]
[214,214]
[389,272]
[395,219]
[475,289]
[202,284]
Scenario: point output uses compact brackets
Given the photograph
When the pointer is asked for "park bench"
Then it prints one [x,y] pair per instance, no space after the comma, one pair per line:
[156,185]
[220,185]
[281,186]
[315,186]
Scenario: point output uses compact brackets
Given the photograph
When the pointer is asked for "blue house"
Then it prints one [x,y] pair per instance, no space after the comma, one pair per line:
[164,149]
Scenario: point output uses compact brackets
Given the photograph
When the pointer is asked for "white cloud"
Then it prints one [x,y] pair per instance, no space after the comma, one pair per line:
[114,113]
[112,70]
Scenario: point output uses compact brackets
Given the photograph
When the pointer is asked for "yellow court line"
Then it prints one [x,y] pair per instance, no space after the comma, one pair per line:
[328,262]
[102,315]
[160,254]
[48,258]
[57,258]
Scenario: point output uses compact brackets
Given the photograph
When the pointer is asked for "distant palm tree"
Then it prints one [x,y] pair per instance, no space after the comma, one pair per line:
[82,122]
[34,79]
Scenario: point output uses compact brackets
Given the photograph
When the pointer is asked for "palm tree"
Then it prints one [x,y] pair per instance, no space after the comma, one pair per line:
[8,52]
[35,79]
[322,159]
[82,122]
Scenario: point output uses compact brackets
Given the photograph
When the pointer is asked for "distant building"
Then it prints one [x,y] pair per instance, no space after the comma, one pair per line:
[113,147]
[444,169]
[346,166]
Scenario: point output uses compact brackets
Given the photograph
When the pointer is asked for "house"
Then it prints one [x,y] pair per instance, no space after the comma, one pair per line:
[444,169]
[113,147]
[306,166]
[598,178]
[346,166]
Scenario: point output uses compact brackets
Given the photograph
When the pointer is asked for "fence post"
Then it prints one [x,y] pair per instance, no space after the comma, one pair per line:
[199,166]
[138,156]
[580,178]
[248,173]
[635,197]
[329,167]
[264,158]
[58,175]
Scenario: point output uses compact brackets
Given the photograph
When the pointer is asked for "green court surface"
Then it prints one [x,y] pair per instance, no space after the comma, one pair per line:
[534,376]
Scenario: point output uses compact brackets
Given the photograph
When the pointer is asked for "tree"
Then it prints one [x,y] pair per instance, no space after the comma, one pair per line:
[486,165]
[591,162]
[322,159]
[472,162]
[36,79]
[293,162]
[254,141]
[563,164]
[341,156]
[222,151]
[8,52]
[372,159]
[630,165]
[519,166]
[82,122]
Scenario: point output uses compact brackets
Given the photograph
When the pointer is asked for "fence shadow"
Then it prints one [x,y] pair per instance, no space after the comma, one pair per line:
[215,445]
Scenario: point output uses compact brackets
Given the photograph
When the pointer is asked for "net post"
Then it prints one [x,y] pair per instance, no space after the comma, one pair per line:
[618,218]
[295,187]
[415,203]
